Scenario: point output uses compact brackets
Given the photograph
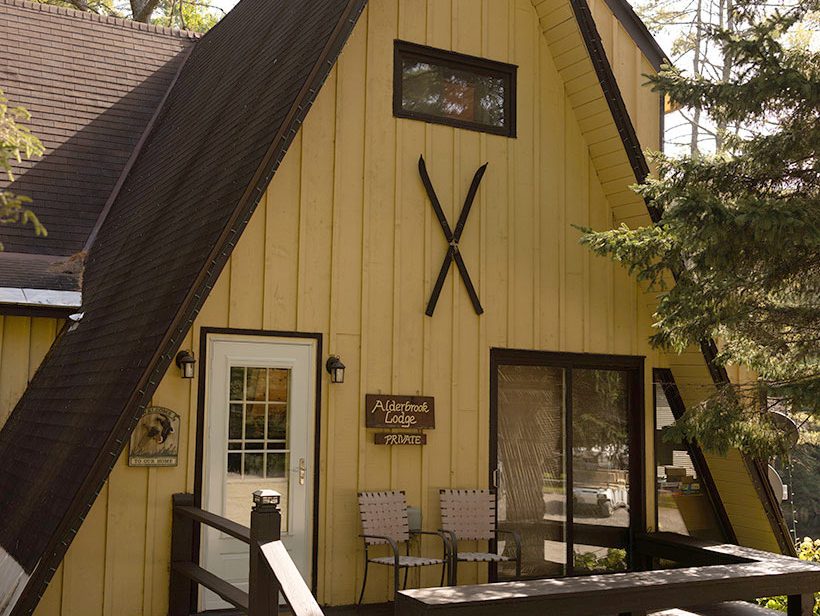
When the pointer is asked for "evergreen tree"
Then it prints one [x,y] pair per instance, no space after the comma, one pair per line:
[740,229]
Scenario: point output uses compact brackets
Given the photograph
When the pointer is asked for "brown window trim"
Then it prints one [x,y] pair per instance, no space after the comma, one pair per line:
[634,365]
[461,61]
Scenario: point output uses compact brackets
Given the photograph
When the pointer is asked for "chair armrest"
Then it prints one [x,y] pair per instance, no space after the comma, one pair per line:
[453,541]
[393,544]
[440,534]
[516,538]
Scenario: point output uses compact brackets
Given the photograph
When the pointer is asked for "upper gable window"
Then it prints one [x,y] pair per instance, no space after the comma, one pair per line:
[445,87]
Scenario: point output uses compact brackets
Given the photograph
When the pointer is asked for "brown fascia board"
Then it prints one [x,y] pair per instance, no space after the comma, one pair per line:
[634,153]
[639,33]
[195,298]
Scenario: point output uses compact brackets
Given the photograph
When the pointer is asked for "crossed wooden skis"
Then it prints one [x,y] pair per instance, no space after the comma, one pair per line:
[452,237]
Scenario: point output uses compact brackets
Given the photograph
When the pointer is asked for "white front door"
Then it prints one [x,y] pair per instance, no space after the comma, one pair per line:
[260,417]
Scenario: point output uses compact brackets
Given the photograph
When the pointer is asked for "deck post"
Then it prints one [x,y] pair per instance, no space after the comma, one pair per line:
[266,523]
[181,591]
[801,605]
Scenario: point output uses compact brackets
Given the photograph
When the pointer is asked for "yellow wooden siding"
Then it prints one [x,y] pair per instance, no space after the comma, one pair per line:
[24,342]
[344,243]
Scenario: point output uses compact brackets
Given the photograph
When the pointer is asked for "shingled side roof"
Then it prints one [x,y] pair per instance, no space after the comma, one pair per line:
[91,83]
[226,125]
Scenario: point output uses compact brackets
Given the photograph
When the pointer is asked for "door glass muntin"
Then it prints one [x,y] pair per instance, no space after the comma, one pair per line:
[596,538]
[258,453]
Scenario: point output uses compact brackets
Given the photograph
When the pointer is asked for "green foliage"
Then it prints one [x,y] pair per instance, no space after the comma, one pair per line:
[740,232]
[16,144]
[615,560]
[195,15]
[188,15]
[808,550]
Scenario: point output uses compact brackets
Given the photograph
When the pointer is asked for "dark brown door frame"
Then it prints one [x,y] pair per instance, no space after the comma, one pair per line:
[634,366]
[204,332]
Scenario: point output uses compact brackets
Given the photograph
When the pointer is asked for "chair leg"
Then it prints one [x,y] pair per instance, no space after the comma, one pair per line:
[454,573]
[406,571]
[395,582]
[444,568]
[364,582]
[518,566]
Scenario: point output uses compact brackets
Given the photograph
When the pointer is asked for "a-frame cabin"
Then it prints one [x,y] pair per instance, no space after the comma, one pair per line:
[256,198]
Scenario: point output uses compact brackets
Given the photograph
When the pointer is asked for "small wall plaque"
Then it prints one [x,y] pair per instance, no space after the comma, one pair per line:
[399,438]
[155,439]
[399,411]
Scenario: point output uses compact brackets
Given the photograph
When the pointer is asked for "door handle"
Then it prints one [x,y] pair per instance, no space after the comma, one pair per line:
[302,471]
[496,478]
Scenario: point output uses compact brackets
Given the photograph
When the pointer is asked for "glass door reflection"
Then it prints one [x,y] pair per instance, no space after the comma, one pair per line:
[545,408]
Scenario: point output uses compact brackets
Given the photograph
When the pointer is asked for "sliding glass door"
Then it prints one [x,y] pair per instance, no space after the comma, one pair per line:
[566,458]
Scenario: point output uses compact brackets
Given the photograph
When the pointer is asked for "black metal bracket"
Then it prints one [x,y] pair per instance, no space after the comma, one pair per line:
[452,237]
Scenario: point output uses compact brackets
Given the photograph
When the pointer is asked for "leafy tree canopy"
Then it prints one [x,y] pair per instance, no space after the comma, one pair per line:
[740,230]
[196,15]
[16,144]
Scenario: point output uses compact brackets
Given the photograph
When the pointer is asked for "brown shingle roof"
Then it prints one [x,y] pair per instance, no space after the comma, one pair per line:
[228,121]
[92,84]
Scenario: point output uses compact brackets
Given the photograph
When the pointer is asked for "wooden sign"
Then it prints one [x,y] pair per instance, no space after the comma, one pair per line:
[399,438]
[155,439]
[399,411]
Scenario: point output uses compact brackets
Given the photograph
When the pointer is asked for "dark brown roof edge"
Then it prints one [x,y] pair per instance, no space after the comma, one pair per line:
[640,167]
[134,155]
[189,309]
[104,19]
[637,29]
[665,378]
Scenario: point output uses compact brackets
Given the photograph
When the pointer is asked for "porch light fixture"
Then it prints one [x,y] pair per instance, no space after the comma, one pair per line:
[263,498]
[186,362]
[336,369]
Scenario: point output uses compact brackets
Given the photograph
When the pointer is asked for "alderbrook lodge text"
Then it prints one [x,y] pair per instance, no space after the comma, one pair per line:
[399,411]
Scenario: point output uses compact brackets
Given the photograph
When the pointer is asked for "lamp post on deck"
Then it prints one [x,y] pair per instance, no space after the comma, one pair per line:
[266,524]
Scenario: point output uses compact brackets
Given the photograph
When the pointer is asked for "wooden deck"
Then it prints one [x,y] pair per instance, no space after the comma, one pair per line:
[736,608]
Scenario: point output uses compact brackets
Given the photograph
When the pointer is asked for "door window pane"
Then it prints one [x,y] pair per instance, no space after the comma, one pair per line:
[600,469]
[531,493]
[258,450]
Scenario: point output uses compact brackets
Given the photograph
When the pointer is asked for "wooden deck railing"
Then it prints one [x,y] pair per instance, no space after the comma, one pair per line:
[711,574]
[271,569]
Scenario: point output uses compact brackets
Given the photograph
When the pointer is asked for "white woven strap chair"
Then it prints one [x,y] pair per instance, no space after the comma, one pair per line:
[469,515]
[384,521]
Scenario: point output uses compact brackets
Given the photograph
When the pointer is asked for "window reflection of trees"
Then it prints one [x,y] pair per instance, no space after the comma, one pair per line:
[452,93]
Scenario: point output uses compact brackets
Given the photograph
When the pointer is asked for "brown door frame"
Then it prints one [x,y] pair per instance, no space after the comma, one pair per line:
[204,332]
[634,366]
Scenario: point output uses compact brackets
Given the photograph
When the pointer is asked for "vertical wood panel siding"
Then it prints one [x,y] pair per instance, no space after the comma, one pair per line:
[24,342]
[344,243]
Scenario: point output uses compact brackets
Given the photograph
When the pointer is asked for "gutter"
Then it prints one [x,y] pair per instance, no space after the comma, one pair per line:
[38,302]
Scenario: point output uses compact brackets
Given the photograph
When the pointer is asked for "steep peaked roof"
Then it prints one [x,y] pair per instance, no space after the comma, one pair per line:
[226,125]
[91,83]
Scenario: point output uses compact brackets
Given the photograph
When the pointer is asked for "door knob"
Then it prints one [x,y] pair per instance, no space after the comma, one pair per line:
[302,471]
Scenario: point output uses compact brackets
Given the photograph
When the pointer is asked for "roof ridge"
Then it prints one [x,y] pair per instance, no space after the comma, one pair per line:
[104,19]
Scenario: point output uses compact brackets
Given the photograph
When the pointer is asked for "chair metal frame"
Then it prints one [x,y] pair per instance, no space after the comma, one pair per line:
[404,534]
[491,532]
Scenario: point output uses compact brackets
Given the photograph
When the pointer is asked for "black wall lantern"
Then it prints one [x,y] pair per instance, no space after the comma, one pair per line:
[186,362]
[336,369]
